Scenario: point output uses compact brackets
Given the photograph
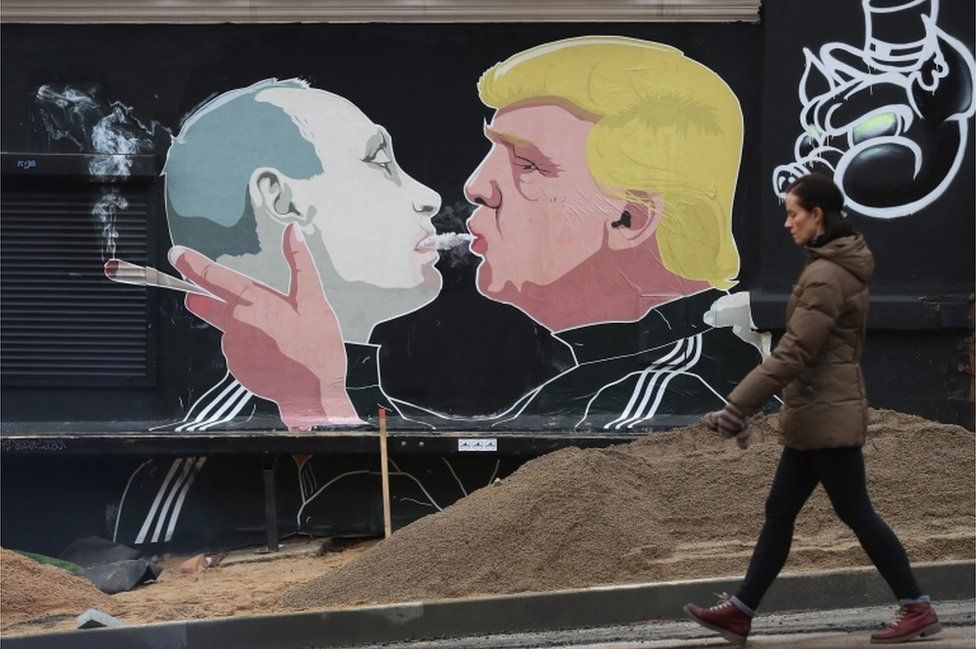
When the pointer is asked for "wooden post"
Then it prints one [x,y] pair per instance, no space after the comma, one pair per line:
[271,502]
[385,473]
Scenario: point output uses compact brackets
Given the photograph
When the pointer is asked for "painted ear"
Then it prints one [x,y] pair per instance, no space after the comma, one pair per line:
[635,224]
[271,193]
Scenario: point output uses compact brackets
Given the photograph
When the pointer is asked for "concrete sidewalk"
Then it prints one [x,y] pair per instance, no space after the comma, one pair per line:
[952,638]
[834,628]
[506,614]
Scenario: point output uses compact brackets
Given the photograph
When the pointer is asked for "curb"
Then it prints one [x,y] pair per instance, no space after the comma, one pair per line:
[521,613]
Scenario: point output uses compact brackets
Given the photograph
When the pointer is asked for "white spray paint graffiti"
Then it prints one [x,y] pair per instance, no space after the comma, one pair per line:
[880,104]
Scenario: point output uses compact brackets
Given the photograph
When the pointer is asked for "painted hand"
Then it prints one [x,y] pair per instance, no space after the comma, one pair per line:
[284,347]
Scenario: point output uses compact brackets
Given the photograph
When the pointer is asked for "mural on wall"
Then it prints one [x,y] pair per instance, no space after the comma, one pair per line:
[888,119]
[599,210]
[603,212]
[156,499]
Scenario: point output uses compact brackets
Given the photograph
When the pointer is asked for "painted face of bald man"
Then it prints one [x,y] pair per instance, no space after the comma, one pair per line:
[312,158]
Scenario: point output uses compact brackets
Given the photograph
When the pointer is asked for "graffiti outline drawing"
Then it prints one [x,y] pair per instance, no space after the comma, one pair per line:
[889,121]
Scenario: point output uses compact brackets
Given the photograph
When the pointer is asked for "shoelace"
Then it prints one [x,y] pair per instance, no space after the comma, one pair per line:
[724,600]
[899,616]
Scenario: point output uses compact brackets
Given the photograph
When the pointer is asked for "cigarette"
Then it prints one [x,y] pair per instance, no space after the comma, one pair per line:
[125,273]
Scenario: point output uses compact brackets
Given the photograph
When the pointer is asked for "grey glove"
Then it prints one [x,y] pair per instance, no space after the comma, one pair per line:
[729,422]
[742,439]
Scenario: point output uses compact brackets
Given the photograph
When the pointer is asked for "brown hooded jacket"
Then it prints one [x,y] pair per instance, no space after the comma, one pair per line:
[817,362]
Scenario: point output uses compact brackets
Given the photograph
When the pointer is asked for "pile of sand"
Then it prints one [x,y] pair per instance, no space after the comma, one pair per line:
[31,590]
[676,505]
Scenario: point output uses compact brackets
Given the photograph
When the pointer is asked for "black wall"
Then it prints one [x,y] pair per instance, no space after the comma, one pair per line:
[419,81]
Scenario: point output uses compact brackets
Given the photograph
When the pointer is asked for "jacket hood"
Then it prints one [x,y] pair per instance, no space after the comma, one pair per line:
[850,253]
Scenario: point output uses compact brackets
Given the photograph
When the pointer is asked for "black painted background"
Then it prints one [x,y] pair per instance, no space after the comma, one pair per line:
[927,253]
[911,363]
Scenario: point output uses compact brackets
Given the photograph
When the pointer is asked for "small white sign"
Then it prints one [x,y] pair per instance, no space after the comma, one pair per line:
[478,444]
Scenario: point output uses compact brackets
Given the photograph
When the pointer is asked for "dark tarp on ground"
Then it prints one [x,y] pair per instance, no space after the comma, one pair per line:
[112,567]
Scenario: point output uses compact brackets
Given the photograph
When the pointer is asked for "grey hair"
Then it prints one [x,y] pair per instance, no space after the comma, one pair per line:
[209,165]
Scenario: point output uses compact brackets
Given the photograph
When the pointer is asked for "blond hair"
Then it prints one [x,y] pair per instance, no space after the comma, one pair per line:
[665,124]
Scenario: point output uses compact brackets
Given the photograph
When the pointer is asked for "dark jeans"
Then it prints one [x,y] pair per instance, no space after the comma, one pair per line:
[841,471]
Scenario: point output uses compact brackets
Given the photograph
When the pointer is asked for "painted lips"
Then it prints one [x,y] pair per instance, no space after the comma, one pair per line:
[478,245]
[424,246]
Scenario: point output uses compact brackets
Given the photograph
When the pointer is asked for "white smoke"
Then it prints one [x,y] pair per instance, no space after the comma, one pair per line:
[79,116]
[67,113]
[104,211]
[446,241]
[114,134]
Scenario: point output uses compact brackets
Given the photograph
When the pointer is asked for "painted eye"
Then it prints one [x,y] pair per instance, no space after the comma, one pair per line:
[877,125]
[380,159]
[526,164]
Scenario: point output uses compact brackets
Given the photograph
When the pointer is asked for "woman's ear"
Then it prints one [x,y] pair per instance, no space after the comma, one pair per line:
[271,194]
[818,216]
[636,223]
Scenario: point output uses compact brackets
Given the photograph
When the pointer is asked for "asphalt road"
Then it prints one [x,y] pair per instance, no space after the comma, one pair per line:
[809,630]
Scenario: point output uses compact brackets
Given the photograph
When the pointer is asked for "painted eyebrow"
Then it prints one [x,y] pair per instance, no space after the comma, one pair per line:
[506,138]
[515,141]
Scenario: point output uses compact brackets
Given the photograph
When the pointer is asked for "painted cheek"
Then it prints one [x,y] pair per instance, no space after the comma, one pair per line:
[530,184]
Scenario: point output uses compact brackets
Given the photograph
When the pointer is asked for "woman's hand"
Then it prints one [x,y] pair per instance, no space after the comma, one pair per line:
[742,439]
[729,422]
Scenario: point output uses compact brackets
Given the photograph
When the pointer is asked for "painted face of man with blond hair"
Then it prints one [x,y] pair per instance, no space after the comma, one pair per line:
[608,187]
[604,210]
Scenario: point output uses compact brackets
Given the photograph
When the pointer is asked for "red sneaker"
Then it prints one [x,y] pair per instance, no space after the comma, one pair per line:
[725,618]
[911,621]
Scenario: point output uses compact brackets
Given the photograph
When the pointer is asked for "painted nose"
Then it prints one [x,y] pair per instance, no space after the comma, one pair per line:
[427,202]
[481,189]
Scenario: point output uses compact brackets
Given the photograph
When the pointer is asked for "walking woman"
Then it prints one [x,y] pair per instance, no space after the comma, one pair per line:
[823,420]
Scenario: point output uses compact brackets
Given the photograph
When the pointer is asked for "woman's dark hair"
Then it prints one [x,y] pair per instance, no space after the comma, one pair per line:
[817,190]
